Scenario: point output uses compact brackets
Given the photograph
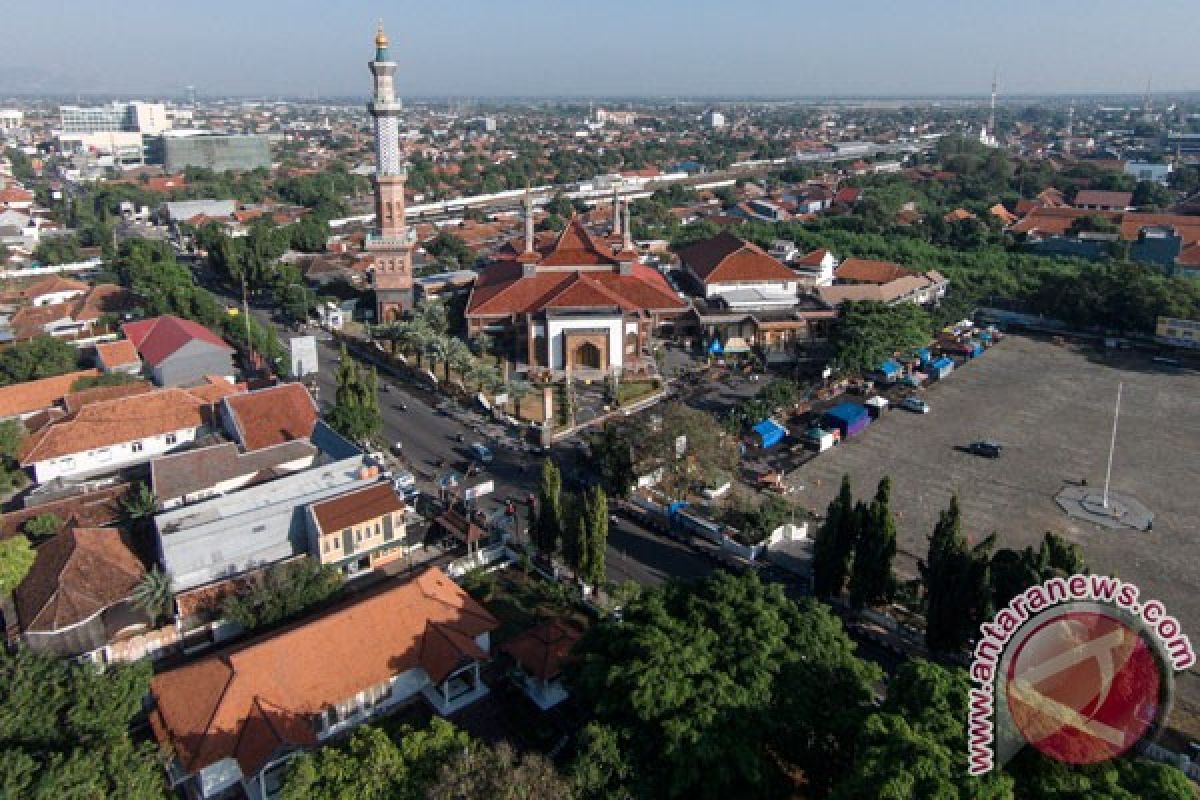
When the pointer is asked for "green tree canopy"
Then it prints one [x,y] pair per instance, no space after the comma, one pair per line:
[16,559]
[716,673]
[43,356]
[869,333]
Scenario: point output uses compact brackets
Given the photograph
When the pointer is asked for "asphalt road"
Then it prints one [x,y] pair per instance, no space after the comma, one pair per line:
[647,558]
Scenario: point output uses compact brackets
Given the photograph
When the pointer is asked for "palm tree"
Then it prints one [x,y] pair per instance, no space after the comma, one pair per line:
[153,594]
[138,503]
[391,333]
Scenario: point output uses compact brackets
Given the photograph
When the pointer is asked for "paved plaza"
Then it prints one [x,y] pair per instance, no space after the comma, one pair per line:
[1051,407]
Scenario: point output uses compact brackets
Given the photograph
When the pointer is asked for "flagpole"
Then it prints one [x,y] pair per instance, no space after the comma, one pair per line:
[1112,445]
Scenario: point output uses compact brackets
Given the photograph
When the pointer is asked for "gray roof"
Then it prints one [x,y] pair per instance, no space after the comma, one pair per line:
[186,209]
[253,527]
[179,474]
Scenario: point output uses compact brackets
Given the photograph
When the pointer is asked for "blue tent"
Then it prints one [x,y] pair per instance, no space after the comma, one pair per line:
[770,432]
[923,354]
[890,369]
[715,347]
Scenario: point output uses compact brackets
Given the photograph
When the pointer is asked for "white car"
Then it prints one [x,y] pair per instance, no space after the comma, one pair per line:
[914,403]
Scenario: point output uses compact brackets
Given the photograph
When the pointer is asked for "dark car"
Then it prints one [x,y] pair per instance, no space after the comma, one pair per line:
[984,448]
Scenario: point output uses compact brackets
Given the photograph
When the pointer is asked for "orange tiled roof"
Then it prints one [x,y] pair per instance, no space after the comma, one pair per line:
[247,701]
[117,354]
[25,398]
[272,416]
[542,650]
[124,419]
[864,270]
[502,289]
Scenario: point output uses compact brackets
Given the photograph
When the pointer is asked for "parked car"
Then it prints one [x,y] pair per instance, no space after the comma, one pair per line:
[481,452]
[914,403]
[984,448]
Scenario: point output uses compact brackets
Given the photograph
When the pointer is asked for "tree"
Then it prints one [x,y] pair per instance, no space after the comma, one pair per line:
[548,531]
[708,455]
[153,594]
[64,730]
[868,333]
[450,249]
[105,379]
[595,571]
[712,672]
[871,580]
[1150,195]
[480,772]
[43,356]
[16,559]
[42,526]
[286,590]
[612,455]
[356,413]
[139,503]
[833,547]
[1013,571]
[957,590]
[57,250]
[372,766]
[915,748]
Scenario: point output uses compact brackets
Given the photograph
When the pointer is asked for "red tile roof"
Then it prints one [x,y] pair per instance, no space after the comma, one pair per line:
[31,396]
[1096,197]
[812,259]
[357,507]
[542,650]
[121,353]
[502,290]
[76,575]
[159,338]
[726,258]
[272,416]
[847,196]
[247,701]
[862,270]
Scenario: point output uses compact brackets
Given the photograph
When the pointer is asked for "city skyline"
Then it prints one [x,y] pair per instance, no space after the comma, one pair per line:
[536,49]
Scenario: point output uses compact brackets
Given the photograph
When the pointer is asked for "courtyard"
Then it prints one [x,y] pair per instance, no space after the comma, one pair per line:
[1050,406]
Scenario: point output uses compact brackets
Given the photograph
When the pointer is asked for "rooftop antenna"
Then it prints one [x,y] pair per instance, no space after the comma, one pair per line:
[1146,96]
[1112,444]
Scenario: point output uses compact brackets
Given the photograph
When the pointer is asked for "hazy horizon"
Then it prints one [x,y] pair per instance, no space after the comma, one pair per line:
[542,49]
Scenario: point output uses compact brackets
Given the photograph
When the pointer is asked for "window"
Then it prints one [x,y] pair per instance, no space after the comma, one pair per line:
[358,534]
[325,546]
[136,447]
[170,438]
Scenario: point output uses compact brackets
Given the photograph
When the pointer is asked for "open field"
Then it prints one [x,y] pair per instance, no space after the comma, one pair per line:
[1051,407]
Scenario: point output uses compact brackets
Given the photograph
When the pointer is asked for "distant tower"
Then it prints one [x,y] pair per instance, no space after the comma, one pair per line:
[1070,128]
[992,116]
[391,242]
[1146,108]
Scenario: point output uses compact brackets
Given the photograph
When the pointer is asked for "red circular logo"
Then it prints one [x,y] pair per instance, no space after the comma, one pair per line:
[1084,687]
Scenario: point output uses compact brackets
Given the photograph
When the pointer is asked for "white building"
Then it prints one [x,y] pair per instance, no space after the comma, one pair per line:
[713,119]
[11,119]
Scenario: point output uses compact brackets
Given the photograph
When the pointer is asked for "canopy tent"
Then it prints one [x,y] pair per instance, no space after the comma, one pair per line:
[769,433]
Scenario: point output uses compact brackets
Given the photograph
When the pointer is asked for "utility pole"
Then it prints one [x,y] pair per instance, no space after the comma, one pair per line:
[1112,444]
[246,314]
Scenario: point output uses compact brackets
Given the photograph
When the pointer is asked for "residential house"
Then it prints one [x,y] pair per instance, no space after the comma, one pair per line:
[75,317]
[815,269]
[271,416]
[1097,200]
[233,719]
[738,273]
[539,654]
[75,600]
[104,437]
[359,530]
[179,352]
[23,400]
[118,356]
[882,282]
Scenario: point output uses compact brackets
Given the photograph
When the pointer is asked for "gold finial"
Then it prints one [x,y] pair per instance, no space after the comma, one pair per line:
[381,39]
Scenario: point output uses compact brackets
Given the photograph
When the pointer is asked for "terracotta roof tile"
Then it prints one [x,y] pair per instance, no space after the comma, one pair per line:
[272,416]
[77,574]
[243,701]
[862,270]
[122,353]
[354,508]
[542,650]
[25,398]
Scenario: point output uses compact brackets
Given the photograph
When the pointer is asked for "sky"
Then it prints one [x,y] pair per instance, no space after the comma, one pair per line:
[651,48]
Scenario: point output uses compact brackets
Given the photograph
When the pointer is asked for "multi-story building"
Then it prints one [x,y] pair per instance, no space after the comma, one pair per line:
[359,530]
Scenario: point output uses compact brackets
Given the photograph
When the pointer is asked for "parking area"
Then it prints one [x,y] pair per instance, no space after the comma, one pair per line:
[1051,407]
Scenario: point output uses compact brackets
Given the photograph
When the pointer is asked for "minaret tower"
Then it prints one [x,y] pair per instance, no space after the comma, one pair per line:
[391,242]
[992,115]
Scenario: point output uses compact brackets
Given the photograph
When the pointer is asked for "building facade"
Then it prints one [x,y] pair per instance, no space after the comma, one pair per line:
[391,243]
[359,530]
